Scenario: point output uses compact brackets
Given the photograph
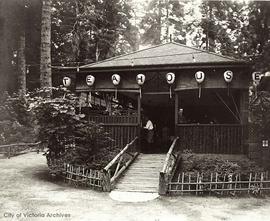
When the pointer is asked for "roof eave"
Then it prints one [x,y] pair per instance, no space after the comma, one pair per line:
[166,66]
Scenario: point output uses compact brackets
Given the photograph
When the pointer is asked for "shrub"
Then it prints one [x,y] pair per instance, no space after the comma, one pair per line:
[16,121]
[260,114]
[197,163]
[69,136]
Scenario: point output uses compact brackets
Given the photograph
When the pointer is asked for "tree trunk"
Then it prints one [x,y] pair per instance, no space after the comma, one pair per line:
[159,37]
[4,52]
[45,46]
[21,64]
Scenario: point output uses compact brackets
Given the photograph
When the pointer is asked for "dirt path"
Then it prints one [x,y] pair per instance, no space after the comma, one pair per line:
[26,189]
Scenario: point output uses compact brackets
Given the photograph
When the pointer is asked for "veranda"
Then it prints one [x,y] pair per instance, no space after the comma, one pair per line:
[209,111]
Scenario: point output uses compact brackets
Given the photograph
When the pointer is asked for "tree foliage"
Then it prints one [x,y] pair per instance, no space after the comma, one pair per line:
[260,114]
[69,137]
[88,31]
[16,122]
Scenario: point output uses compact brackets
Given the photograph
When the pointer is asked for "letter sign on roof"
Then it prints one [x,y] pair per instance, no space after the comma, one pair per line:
[116,79]
[90,80]
[199,76]
[66,81]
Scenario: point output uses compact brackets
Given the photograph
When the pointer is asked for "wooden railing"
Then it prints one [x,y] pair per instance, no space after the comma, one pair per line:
[169,167]
[115,120]
[212,138]
[79,176]
[213,183]
[122,129]
[10,150]
[119,164]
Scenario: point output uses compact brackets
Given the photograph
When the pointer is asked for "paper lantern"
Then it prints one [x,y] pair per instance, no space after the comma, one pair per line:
[66,81]
[256,77]
[116,79]
[228,76]
[140,78]
[199,76]
[90,80]
[170,77]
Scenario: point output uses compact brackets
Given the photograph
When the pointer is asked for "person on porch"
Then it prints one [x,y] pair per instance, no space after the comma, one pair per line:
[150,134]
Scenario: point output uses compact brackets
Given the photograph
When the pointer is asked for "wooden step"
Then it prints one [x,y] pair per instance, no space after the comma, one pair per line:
[143,174]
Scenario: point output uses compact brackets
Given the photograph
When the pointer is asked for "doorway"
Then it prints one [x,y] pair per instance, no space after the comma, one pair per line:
[159,108]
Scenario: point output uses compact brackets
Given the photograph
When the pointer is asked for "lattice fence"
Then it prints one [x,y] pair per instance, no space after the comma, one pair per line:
[253,183]
[79,176]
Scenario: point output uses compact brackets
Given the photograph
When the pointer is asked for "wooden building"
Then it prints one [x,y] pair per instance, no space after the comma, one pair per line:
[209,115]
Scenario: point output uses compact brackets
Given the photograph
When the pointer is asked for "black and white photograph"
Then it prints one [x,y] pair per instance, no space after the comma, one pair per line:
[134,110]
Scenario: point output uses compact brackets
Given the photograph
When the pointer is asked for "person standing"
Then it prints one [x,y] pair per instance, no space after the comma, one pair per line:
[150,133]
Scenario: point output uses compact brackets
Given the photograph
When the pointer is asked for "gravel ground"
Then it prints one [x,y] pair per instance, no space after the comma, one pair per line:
[27,193]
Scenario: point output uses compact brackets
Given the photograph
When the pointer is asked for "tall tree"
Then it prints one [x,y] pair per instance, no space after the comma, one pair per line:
[87,31]
[257,36]
[45,45]
[3,46]
[152,23]
[21,48]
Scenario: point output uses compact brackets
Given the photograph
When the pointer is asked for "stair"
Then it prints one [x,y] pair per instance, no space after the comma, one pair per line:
[142,175]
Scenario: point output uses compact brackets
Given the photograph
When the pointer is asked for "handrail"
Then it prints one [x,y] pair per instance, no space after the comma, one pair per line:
[20,144]
[120,154]
[7,149]
[169,155]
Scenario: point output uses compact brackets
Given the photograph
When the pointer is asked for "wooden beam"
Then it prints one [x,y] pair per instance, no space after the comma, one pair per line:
[107,90]
[139,121]
[176,107]
[157,93]
[164,169]
[119,154]
[157,67]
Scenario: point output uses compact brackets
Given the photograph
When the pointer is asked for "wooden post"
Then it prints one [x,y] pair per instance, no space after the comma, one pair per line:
[139,148]
[106,183]
[176,104]
[163,184]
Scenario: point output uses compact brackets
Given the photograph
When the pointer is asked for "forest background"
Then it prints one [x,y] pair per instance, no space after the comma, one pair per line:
[37,36]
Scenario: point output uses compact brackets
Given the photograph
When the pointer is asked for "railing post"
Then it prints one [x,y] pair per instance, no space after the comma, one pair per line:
[106,181]
[163,184]
[9,152]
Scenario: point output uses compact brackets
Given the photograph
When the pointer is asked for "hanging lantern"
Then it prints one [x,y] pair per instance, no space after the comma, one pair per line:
[116,81]
[228,76]
[140,78]
[90,80]
[199,76]
[256,77]
[66,81]
[170,77]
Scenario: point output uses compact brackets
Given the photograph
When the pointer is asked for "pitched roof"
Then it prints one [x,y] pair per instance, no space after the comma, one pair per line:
[164,54]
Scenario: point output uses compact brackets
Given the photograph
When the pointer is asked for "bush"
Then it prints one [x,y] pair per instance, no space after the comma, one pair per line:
[69,136]
[197,163]
[16,121]
[260,114]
